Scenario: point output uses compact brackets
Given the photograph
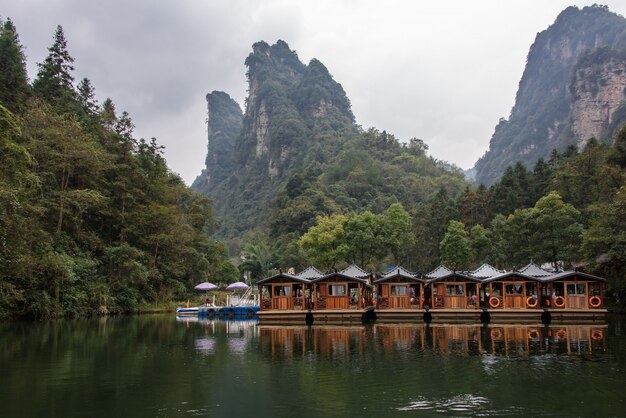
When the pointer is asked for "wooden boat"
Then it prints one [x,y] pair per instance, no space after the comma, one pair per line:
[400,296]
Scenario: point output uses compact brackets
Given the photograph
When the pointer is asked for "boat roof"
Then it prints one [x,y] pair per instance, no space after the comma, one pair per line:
[399,272]
[442,273]
[509,274]
[532,269]
[570,273]
[283,277]
[310,273]
[486,271]
[352,272]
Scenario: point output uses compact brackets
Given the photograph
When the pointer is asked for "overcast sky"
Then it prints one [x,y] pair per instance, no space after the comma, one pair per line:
[442,71]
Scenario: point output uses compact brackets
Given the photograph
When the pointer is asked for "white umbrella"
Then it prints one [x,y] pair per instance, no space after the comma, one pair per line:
[205,286]
[237,286]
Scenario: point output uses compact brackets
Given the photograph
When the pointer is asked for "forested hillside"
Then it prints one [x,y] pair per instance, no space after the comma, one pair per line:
[92,221]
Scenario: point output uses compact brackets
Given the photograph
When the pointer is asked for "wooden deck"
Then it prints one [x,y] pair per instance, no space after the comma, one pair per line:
[455,315]
[285,317]
[323,316]
[400,315]
[577,316]
[436,316]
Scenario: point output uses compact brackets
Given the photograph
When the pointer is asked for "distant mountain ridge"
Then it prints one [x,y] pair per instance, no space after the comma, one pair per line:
[572,89]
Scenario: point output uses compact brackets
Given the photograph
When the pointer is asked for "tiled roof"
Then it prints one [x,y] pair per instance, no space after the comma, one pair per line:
[507,274]
[440,271]
[570,273]
[354,271]
[398,271]
[310,273]
[534,270]
[485,271]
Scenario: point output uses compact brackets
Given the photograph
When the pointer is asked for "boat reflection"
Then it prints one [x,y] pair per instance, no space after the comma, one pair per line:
[442,340]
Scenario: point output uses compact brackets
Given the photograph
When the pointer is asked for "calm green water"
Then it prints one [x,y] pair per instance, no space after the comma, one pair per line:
[156,366]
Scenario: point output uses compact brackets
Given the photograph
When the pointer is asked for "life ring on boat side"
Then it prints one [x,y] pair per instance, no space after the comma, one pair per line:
[595,301]
[533,333]
[597,334]
[561,333]
[559,301]
[494,302]
[531,302]
[496,334]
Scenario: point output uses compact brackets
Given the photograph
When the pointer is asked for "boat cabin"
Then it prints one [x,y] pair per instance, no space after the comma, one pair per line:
[512,290]
[448,289]
[347,289]
[574,290]
[286,291]
[399,289]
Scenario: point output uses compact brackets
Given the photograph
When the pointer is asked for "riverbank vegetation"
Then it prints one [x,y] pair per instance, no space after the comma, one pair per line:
[92,221]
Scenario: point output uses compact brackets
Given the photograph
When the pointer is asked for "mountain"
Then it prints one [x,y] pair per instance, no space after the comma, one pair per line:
[572,89]
[294,113]
[297,152]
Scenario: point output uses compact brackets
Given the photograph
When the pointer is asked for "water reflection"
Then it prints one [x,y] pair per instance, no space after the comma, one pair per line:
[442,340]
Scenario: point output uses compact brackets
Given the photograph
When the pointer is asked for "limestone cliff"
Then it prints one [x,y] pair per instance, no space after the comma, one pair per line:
[550,98]
[598,90]
[292,109]
[224,121]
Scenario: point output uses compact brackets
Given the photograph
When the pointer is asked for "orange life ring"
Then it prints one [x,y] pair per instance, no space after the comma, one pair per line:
[595,301]
[559,301]
[531,302]
[561,333]
[494,302]
[533,333]
[597,334]
[496,333]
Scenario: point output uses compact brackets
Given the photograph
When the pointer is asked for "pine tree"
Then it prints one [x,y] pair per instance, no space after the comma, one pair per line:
[54,79]
[14,88]
[87,97]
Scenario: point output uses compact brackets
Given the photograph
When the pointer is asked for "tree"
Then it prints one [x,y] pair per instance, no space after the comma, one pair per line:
[14,88]
[398,234]
[325,242]
[480,243]
[455,246]
[557,231]
[54,79]
[256,257]
[604,242]
[87,97]
[363,236]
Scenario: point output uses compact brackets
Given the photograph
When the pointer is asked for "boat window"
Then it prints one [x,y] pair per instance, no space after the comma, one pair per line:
[337,290]
[514,289]
[398,290]
[575,288]
[282,290]
[454,290]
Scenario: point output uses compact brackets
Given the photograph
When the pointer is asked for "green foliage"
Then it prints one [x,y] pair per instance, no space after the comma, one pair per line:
[14,88]
[325,242]
[54,82]
[455,246]
[91,219]
[556,229]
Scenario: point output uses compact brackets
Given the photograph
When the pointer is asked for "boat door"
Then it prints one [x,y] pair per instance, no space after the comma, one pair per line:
[281,298]
[398,296]
[576,295]
[514,295]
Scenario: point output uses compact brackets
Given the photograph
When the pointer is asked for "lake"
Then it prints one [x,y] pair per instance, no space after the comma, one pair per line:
[158,366]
